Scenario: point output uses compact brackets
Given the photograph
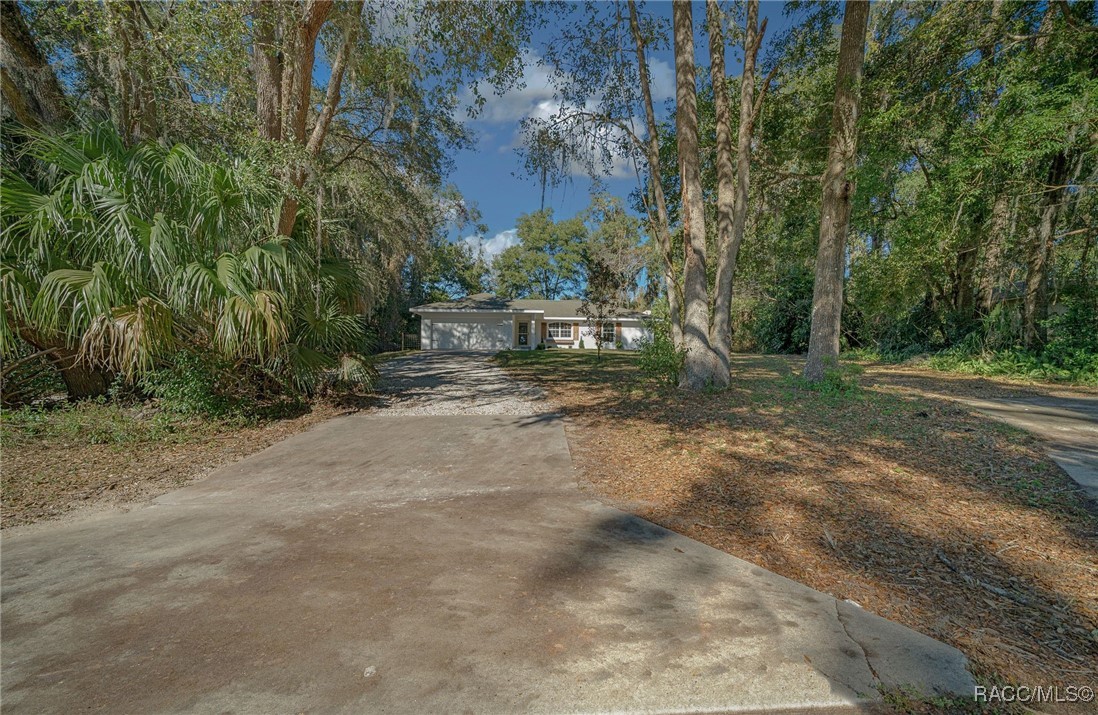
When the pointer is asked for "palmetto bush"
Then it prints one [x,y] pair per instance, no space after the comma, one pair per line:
[116,258]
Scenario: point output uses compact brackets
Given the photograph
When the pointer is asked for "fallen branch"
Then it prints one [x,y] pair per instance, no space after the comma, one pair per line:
[23,360]
[973,581]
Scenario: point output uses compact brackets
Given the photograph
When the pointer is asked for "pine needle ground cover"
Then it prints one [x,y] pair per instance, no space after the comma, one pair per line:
[910,505]
[96,455]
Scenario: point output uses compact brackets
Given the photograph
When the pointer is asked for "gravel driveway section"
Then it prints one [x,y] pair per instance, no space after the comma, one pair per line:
[454,383]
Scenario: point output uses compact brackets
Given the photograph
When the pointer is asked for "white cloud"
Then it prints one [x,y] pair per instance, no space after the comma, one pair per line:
[536,97]
[661,76]
[495,245]
[534,91]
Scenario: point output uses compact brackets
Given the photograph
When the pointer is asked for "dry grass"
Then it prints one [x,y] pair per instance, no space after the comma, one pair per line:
[910,505]
[60,462]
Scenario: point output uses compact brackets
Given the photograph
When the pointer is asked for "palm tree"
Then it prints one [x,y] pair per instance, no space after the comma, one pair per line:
[113,258]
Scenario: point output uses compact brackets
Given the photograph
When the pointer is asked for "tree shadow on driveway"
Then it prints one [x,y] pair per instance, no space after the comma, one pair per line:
[911,505]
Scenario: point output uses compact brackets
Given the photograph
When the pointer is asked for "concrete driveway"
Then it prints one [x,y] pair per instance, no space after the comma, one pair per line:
[1068,426]
[424,563]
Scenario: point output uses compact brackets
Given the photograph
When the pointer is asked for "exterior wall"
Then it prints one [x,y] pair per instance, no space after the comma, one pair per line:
[587,338]
[424,333]
[630,334]
[551,342]
[498,331]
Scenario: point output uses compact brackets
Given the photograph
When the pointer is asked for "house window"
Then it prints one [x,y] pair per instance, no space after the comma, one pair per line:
[560,331]
[607,330]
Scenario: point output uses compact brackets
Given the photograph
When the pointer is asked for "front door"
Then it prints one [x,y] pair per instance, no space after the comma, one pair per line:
[524,334]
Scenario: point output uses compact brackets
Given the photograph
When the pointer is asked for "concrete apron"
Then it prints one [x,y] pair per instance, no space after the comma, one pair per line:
[424,565]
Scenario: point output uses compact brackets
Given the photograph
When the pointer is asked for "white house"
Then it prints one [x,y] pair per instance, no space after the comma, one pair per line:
[485,322]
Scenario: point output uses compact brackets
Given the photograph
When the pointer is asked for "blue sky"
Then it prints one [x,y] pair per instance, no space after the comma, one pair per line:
[491,176]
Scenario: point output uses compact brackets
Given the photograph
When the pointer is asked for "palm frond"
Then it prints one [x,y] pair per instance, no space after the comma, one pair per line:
[252,325]
[357,370]
[195,286]
[131,337]
[130,252]
[70,299]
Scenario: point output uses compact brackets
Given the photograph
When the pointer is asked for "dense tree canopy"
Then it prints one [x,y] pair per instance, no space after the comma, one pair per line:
[325,132]
[972,219]
[349,168]
[555,259]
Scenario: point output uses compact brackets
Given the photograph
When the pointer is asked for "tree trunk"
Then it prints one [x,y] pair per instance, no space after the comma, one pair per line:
[732,193]
[81,379]
[135,107]
[827,292]
[1035,304]
[720,332]
[702,367]
[295,100]
[964,290]
[333,94]
[30,87]
[995,244]
[662,227]
[267,65]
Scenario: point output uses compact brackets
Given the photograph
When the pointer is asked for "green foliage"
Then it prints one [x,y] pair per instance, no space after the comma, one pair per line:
[128,254]
[1073,338]
[453,270]
[659,358]
[839,380]
[197,384]
[1071,353]
[548,261]
[911,334]
[99,422]
[839,384]
[782,323]
[966,109]
[1080,368]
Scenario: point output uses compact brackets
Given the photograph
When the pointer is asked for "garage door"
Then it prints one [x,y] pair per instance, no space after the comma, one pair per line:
[493,334]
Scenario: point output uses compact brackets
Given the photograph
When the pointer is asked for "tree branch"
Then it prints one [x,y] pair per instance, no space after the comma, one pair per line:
[335,83]
[757,109]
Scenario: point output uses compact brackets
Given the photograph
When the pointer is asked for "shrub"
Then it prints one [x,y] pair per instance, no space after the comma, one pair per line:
[195,383]
[660,358]
[783,323]
[1071,353]
[1073,337]
[839,380]
[910,335]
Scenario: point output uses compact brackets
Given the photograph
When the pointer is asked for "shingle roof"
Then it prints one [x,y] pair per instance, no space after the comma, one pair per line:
[477,302]
[486,302]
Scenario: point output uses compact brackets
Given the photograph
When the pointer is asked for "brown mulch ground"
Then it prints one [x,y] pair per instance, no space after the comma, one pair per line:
[910,505]
[60,463]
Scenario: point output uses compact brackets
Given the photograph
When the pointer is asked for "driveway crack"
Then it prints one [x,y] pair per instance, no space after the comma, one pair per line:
[865,655]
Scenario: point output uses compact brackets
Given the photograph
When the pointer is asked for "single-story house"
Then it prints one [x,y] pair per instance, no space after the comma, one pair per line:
[485,322]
